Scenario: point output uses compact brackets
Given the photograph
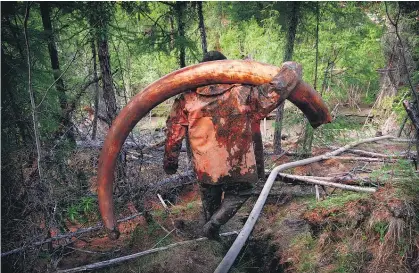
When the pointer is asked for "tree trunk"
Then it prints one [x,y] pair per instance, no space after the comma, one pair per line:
[172,32]
[413,114]
[96,95]
[308,133]
[202,28]
[65,121]
[179,8]
[289,49]
[107,80]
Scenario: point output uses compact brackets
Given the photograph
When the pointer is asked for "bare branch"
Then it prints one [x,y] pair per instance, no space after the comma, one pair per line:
[307,179]
[31,95]
[137,255]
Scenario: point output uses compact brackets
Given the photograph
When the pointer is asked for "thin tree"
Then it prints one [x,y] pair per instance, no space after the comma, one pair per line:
[65,120]
[412,109]
[96,94]
[202,28]
[100,17]
[179,9]
[31,94]
[289,50]
[308,134]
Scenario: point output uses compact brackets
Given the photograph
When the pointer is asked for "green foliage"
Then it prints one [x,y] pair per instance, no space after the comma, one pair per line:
[337,201]
[83,210]
[403,171]
[381,228]
[339,131]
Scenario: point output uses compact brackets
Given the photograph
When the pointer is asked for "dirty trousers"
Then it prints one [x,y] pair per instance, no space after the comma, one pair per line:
[218,211]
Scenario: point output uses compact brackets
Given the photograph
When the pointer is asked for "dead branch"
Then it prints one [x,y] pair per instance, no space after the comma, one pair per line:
[98,144]
[369,115]
[137,255]
[367,159]
[67,235]
[31,94]
[235,249]
[370,154]
[328,184]
[345,179]
[177,179]
[162,201]
[153,146]
[402,140]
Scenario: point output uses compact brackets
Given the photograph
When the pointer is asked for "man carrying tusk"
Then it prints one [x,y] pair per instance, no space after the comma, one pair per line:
[218,119]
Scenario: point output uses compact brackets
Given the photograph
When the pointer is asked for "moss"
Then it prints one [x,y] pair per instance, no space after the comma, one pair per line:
[305,245]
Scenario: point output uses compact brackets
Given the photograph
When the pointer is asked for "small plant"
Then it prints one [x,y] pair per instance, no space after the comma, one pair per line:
[190,206]
[87,204]
[73,213]
[381,228]
[82,210]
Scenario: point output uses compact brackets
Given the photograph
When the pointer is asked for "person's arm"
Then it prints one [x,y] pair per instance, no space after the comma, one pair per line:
[176,125]
[268,96]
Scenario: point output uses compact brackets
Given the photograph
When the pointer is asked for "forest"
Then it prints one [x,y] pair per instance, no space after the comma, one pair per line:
[344,197]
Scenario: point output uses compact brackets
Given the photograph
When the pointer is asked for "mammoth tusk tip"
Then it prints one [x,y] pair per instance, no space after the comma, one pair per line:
[114,234]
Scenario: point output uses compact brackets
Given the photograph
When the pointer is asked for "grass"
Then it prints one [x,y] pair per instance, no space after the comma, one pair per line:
[336,201]
[305,243]
[407,182]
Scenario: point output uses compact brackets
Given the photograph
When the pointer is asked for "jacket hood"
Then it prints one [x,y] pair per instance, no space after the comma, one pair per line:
[215,89]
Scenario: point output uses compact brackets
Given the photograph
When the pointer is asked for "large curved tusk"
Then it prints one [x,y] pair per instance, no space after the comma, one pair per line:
[226,71]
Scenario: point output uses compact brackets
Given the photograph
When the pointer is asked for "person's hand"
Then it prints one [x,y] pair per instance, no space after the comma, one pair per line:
[288,77]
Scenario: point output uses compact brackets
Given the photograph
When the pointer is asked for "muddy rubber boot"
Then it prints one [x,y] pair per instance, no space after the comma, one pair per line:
[211,199]
[230,205]
[211,230]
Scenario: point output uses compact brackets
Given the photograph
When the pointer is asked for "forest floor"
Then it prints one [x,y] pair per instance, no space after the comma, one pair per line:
[342,232]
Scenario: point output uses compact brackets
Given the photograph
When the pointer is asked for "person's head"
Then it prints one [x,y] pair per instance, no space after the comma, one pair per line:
[213,56]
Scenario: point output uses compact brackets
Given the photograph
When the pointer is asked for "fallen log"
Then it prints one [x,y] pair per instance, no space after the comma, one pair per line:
[235,249]
[367,159]
[103,264]
[328,184]
[347,180]
[370,154]
[402,140]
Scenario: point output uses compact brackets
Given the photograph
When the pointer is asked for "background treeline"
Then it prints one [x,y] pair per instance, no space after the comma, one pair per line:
[67,62]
